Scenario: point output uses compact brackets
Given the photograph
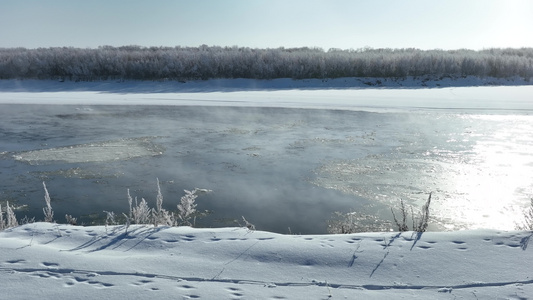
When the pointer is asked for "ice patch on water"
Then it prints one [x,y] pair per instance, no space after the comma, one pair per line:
[113,150]
[381,178]
[76,172]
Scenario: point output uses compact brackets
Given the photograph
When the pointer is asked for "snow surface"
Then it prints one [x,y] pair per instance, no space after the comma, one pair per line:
[465,94]
[49,261]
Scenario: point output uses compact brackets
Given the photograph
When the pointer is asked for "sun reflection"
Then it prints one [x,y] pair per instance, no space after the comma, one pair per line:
[491,191]
[479,168]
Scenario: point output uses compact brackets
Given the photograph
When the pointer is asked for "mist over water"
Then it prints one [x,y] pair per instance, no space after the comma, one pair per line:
[284,169]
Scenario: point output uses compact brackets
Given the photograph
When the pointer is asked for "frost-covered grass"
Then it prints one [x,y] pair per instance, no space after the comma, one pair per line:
[420,220]
[139,212]
[353,222]
[527,222]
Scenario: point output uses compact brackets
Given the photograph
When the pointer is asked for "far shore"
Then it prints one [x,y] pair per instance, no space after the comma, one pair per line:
[241,84]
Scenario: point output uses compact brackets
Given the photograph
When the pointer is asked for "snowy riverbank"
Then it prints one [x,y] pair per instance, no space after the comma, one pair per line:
[49,261]
[470,94]
[233,85]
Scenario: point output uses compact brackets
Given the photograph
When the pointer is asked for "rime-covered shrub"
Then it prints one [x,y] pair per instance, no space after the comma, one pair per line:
[187,207]
[161,216]
[527,222]
[140,213]
[48,213]
[204,62]
[11,218]
[71,220]
[420,220]
[2,221]
[248,225]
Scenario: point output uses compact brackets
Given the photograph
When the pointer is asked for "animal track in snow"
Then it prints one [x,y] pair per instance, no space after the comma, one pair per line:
[141,282]
[424,247]
[171,241]
[15,261]
[186,287]
[50,265]
[327,243]
[353,240]
[235,291]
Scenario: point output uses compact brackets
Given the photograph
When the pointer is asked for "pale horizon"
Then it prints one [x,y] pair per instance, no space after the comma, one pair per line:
[342,24]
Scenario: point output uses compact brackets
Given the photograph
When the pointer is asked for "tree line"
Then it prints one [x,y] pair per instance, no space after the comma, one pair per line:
[208,62]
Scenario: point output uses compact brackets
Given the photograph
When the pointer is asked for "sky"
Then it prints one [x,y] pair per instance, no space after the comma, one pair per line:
[344,24]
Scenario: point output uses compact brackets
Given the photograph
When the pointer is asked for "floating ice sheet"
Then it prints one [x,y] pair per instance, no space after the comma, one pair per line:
[93,152]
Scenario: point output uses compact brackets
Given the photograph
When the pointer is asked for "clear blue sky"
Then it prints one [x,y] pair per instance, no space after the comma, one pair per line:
[445,24]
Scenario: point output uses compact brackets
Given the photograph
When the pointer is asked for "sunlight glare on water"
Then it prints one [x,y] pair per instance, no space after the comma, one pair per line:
[491,191]
[479,169]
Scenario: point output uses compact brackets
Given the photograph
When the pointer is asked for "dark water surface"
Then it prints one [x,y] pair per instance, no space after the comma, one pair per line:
[284,169]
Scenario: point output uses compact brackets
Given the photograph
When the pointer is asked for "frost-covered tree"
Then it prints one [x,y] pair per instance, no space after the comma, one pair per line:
[206,62]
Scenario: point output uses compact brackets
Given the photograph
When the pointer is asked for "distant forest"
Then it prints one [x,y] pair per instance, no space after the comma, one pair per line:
[208,62]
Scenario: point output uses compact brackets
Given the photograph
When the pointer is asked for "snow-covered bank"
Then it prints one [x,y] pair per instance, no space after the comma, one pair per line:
[48,261]
[465,95]
[233,85]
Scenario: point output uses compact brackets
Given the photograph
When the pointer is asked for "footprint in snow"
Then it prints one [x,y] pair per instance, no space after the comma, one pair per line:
[141,282]
[353,240]
[39,274]
[15,261]
[171,241]
[80,280]
[424,247]
[49,264]
[235,291]
[186,287]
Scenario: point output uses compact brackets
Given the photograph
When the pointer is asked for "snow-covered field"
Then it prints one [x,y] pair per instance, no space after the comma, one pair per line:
[49,261]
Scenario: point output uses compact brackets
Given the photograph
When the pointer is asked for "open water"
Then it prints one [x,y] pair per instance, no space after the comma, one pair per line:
[286,170]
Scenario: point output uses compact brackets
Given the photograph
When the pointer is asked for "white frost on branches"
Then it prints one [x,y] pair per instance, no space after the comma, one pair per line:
[48,213]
